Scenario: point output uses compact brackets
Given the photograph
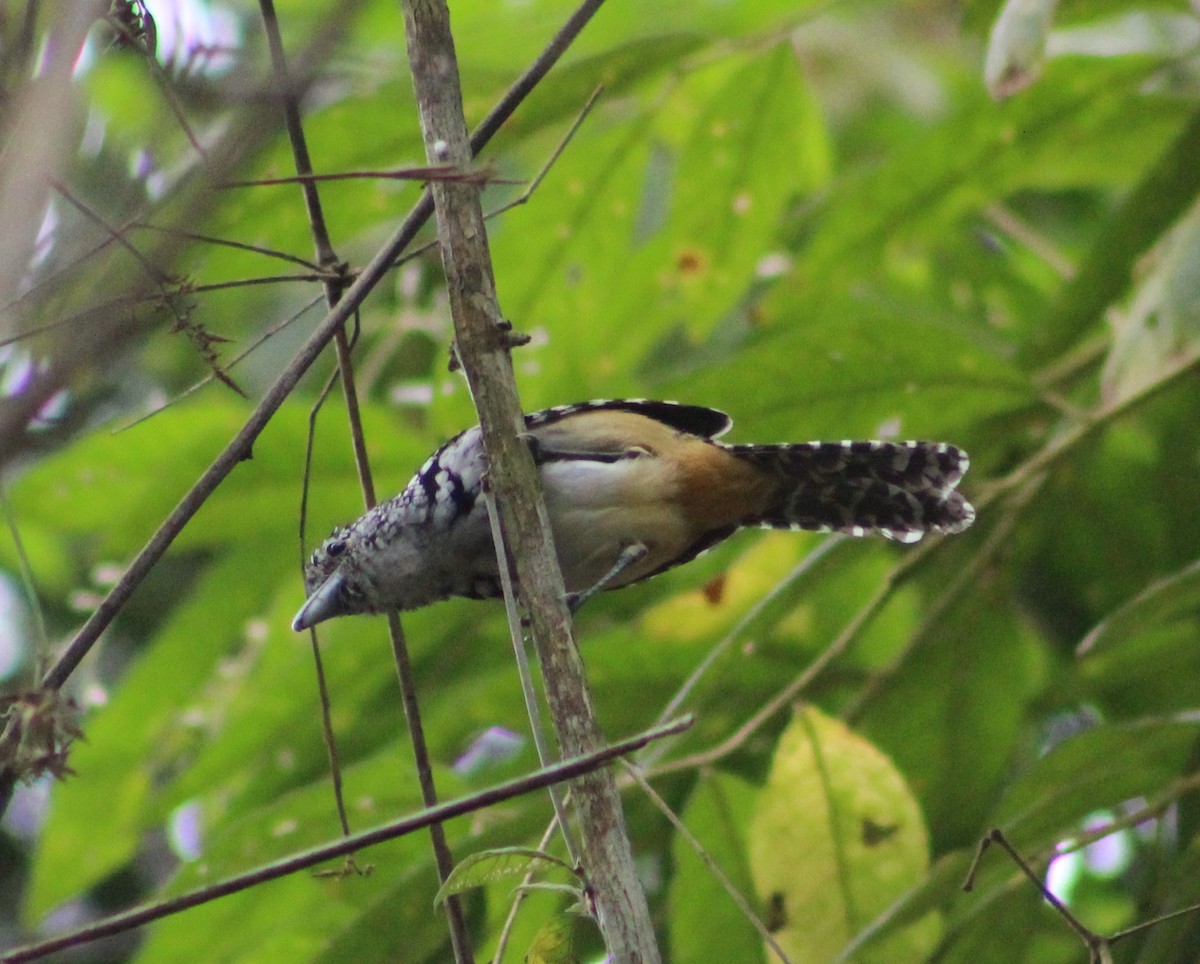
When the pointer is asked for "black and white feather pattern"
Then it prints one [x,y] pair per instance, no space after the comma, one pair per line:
[900,489]
[690,419]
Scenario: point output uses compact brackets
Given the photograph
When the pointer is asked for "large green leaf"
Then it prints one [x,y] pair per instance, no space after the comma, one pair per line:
[657,216]
[706,923]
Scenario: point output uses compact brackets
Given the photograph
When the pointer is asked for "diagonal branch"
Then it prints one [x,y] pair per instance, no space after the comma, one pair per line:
[239,448]
[306,859]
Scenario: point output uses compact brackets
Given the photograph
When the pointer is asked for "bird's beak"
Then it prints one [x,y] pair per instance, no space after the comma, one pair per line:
[321,605]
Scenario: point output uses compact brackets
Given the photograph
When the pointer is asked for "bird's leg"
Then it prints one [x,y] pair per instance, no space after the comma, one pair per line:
[630,555]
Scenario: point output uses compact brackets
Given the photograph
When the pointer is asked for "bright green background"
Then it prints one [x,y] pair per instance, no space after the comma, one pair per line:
[815,218]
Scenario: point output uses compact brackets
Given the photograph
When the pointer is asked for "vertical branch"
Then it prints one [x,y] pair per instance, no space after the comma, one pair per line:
[483,340]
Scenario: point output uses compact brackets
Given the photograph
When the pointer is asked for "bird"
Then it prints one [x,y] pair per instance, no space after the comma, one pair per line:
[633,488]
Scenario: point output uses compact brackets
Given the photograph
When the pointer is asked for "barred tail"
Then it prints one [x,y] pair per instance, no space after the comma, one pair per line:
[900,489]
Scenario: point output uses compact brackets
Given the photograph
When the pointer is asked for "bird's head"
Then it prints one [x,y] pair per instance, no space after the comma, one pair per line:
[335,580]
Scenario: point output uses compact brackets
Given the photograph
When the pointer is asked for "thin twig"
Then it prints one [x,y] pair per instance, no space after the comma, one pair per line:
[116,235]
[459,935]
[1095,943]
[1098,945]
[327,732]
[226,243]
[201,340]
[532,707]
[327,260]
[305,859]
[103,308]
[1152,922]
[258,342]
[435,172]
[533,185]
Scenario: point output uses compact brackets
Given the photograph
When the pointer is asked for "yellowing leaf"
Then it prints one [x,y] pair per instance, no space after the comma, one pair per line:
[836,838]
[715,608]
[555,942]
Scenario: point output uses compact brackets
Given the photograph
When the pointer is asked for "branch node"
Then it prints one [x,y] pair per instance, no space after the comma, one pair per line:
[510,339]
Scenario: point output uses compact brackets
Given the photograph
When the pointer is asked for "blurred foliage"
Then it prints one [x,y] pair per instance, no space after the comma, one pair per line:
[814,217]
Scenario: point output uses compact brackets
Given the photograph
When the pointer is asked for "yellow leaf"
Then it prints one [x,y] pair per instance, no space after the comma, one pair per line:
[835,839]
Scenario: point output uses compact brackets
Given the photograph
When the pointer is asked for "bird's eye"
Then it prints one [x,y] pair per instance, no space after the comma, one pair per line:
[335,549]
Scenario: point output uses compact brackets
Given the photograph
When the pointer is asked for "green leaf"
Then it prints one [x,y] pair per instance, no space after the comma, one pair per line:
[1161,326]
[1166,189]
[1097,769]
[489,866]
[658,219]
[1162,602]
[705,923]
[958,695]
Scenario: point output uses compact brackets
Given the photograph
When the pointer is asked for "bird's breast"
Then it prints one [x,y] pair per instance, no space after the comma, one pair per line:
[597,509]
